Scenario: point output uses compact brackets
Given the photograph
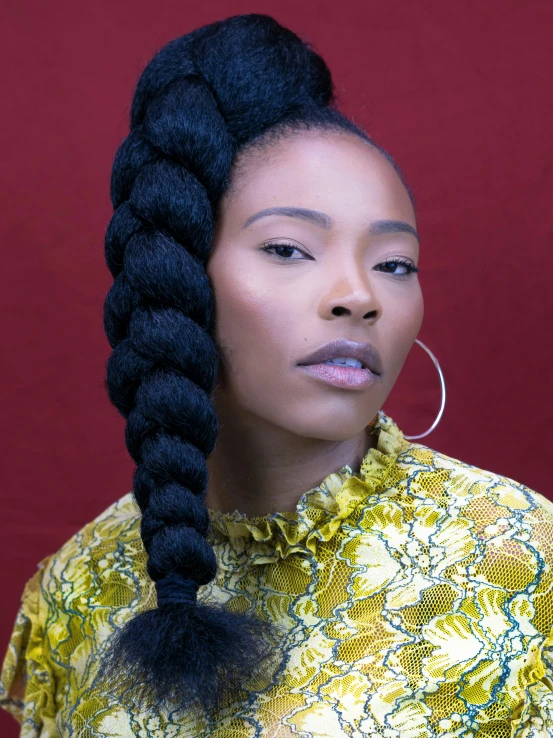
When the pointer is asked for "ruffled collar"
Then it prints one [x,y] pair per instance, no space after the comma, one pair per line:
[320,511]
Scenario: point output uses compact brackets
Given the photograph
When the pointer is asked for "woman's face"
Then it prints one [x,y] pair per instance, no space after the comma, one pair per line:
[306,252]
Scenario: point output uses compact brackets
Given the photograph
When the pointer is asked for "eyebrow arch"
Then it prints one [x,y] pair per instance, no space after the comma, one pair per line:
[377,228]
[380,227]
[313,216]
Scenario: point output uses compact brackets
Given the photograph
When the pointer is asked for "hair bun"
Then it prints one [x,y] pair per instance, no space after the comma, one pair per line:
[257,71]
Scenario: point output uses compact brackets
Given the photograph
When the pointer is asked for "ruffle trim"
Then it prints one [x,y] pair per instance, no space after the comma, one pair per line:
[320,511]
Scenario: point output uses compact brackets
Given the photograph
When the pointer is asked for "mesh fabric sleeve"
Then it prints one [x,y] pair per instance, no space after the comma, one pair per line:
[27,683]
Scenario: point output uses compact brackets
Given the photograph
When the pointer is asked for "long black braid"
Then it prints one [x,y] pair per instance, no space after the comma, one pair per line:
[202,97]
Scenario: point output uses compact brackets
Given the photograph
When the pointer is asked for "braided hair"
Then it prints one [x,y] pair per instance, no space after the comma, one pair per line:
[200,100]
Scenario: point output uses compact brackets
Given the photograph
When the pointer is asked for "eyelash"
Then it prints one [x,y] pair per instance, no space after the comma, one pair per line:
[409,266]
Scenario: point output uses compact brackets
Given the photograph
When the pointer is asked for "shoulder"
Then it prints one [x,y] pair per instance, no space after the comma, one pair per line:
[92,584]
[462,486]
[102,565]
[117,524]
[495,530]
[106,550]
[67,610]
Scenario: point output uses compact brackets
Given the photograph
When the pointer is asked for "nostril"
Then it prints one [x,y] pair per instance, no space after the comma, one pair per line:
[370,314]
[339,311]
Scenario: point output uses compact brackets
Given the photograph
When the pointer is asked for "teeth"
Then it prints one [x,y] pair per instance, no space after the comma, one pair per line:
[346,362]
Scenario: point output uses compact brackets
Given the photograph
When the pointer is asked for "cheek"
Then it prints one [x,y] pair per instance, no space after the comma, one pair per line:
[243,324]
[251,325]
[401,326]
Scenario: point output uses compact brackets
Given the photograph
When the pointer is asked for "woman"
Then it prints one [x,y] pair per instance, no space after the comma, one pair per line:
[264,253]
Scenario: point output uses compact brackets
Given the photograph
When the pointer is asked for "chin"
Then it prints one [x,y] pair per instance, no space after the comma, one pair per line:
[333,419]
[330,428]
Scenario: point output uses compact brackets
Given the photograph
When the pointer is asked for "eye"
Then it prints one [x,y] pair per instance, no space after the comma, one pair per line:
[286,251]
[397,268]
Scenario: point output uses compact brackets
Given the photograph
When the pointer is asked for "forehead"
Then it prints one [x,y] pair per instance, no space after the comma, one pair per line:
[334,172]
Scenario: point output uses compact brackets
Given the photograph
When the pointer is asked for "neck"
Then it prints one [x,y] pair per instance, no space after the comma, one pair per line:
[258,469]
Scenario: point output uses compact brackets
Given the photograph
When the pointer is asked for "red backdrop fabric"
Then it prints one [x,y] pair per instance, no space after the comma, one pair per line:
[459,93]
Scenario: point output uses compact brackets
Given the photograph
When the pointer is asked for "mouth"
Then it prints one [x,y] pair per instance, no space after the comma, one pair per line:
[345,364]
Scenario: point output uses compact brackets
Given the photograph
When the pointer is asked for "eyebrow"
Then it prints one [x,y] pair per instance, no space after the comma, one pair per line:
[377,228]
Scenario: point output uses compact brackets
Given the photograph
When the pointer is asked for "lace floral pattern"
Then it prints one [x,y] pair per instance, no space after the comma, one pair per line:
[414,599]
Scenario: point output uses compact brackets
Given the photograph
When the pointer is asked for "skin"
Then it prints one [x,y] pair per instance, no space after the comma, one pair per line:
[282,431]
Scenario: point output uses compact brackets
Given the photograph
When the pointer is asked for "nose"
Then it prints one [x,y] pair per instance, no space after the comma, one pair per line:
[350,295]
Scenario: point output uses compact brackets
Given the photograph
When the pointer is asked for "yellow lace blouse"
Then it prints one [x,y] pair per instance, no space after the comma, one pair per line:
[415,597]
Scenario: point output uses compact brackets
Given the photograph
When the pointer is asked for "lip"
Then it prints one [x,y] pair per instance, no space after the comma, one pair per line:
[366,353]
[346,377]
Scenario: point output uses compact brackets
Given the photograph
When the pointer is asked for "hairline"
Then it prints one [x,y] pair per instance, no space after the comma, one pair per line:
[265,141]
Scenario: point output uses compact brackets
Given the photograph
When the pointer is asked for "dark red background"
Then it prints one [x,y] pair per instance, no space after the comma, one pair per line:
[459,92]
